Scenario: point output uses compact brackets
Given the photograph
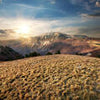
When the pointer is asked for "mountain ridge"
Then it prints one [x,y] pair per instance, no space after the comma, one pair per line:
[52,42]
[7,53]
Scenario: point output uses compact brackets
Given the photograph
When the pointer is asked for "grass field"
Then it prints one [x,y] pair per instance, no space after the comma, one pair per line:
[57,77]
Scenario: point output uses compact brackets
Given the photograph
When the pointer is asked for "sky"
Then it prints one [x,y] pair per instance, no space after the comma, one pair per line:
[35,17]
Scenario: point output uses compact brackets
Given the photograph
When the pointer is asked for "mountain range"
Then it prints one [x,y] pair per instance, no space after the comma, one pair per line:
[54,41]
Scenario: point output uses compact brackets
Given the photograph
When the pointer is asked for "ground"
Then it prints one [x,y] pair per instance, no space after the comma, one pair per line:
[56,77]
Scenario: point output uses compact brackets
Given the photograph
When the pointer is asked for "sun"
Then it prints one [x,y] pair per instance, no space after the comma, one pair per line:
[23,29]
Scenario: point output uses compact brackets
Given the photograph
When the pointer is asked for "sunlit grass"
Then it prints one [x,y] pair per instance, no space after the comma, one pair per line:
[57,77]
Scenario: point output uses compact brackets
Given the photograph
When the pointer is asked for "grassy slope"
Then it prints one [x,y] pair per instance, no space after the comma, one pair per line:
[54,77]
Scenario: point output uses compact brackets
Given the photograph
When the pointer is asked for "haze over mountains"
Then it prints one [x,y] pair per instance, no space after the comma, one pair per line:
[51,42]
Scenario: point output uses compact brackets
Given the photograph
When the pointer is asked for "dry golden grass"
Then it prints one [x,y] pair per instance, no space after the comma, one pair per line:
[57,77]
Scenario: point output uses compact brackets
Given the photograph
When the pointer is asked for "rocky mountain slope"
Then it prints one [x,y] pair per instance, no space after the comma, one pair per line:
[57,77]
[7,53]
[51,42]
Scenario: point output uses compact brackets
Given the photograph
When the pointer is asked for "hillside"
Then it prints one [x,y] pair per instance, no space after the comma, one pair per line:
[7,53]
[52,42]
[57,77]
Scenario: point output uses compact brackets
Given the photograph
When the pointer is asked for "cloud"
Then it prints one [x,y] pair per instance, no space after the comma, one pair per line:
[0,1]
[76,1]
[87,6]
[2,31]
[36,9]
[52,1]
[84,4]
[92,1]
[11,23]
[43,25]
[98,4]
[38,26]
[68,30]
[82,1]
[94,15]
[29,6]
[7,34]
[90,31]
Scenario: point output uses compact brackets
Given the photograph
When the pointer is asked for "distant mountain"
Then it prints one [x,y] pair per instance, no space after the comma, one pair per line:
[52,42]
[55,35]
[7,53]
[95,53]
[80,36]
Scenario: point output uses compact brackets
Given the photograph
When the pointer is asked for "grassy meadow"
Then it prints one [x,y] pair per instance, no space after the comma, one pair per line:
[55,77]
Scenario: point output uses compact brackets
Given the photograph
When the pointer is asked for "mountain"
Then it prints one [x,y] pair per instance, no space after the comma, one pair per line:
[95,53]
[56,77]
[80,36]
[52,42]
[7,53]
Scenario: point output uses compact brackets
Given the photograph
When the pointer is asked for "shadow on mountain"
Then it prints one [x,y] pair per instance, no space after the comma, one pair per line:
[7,53]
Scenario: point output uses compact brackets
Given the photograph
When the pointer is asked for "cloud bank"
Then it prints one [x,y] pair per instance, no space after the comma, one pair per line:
[39,26]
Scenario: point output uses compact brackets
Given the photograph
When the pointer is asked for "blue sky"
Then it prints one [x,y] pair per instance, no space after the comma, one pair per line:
[68,16]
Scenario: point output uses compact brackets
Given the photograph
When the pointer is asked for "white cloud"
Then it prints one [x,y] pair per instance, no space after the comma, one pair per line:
[39,26]
[98,4]
[84,15]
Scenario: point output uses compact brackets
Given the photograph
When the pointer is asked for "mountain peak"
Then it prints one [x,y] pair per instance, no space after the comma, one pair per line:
[55,35]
